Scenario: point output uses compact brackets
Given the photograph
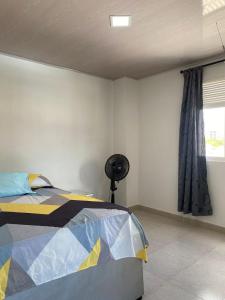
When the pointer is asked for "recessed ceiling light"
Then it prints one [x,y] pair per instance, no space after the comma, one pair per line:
[120,21]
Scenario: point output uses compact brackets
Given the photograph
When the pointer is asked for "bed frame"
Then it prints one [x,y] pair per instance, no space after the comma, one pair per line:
[115,280]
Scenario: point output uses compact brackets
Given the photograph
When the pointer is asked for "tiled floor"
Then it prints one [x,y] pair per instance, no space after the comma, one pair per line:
[186,262]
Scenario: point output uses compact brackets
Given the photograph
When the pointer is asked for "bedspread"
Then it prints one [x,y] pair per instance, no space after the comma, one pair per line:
[53,233]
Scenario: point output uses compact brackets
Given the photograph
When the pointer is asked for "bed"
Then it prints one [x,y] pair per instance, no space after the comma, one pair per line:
[58,245]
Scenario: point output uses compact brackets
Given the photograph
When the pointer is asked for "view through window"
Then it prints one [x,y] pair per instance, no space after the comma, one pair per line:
[214,131]
[214,118]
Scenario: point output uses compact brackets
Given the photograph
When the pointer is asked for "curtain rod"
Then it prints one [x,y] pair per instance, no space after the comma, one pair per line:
[205,65]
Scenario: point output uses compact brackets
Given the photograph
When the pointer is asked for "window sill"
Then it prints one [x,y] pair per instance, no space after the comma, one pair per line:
[215,159]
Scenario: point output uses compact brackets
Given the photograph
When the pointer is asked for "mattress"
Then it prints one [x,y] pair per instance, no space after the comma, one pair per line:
[53,234]
[116,280]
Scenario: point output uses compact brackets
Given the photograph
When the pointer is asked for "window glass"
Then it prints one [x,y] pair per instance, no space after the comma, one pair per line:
[214,118]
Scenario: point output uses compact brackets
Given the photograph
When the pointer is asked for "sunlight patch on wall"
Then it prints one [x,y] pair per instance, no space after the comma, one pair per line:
[210,6]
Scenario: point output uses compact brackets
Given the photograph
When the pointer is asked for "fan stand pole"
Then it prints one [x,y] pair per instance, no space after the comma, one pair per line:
[113,188]
[112,197]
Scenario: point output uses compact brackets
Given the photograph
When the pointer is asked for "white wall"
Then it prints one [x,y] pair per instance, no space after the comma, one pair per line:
[65,124]
[55,122]
[126,136]
[160,106]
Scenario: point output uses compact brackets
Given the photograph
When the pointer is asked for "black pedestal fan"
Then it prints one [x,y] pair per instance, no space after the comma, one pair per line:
[116,168]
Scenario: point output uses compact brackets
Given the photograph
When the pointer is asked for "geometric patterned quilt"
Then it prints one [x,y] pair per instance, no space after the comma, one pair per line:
[53,233]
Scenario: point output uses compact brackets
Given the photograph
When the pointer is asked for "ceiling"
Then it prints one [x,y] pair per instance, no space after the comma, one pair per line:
[76,34]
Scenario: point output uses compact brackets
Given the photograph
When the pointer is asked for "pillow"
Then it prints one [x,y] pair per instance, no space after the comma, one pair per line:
[38,181]
[14,184]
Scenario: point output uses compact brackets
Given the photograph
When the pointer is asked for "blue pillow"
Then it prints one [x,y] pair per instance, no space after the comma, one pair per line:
[14,184]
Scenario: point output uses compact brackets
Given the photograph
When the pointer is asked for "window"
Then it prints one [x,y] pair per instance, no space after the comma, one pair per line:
[214,117]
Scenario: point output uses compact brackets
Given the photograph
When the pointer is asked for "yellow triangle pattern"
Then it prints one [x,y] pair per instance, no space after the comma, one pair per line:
[4,272]
[142,254]
[80,197]
[93,257]
[42,209]
[32,177]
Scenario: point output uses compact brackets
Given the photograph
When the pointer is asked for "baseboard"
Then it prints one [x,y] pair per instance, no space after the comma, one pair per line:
[178,218]
[136,207]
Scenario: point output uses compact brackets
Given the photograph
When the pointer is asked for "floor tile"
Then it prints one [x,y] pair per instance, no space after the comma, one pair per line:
[206,278]
[152,282]
[170,292]
[185,261]
[165,265]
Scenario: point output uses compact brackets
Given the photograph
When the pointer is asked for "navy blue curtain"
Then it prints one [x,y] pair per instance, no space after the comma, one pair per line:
[193,193]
